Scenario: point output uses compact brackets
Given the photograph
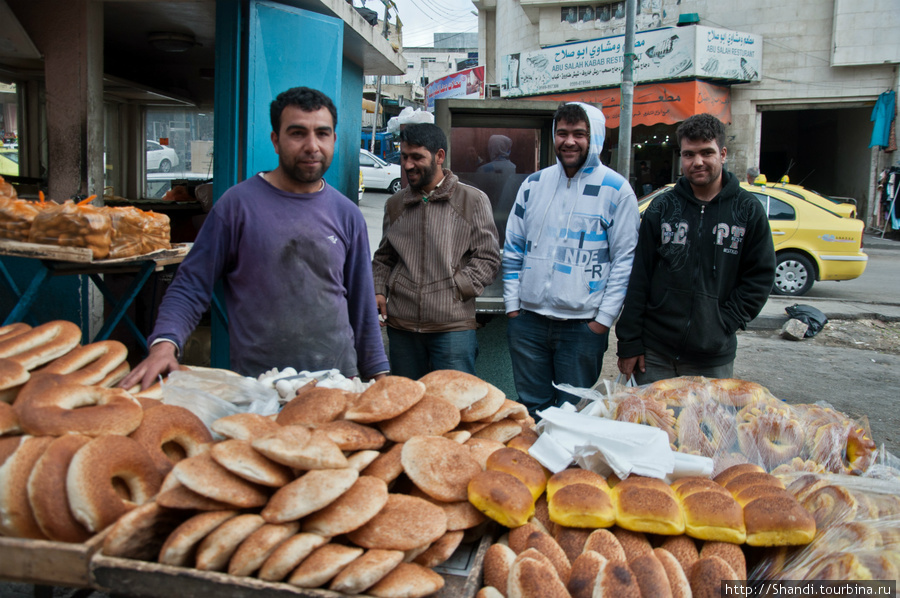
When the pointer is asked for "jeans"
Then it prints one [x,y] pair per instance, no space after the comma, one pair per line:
[661,367]
[414,354]
[544,351]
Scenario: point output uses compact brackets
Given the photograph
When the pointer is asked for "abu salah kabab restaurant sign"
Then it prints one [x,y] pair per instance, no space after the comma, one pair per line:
[661,54]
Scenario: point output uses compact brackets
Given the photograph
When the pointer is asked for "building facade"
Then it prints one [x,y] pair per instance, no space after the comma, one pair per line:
[805,112]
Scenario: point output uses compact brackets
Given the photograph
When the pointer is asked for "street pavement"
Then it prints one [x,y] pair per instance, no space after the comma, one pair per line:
[773,315]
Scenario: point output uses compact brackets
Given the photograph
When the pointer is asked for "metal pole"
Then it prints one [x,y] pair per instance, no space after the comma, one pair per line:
[627,92]
[375,118]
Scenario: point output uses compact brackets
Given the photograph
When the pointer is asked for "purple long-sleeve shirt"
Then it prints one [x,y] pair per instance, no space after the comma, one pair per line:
[297,277]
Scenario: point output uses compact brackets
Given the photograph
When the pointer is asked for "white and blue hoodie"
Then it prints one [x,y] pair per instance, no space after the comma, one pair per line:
[570,242]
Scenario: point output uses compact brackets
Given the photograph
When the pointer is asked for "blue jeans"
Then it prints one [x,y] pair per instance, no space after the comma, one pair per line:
[414,354]
[544,351]
[661,367]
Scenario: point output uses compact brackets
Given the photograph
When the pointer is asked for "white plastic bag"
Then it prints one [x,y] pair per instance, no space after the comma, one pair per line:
[212,393]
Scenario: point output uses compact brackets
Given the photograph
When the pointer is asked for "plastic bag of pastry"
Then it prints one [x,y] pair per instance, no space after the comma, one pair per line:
[73,225]
[157,232]
[7,191]
[16,216]
[137,232]
[857,532]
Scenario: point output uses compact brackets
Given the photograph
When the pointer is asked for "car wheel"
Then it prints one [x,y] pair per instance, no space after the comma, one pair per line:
[395,186]
[165,166]
[794,275]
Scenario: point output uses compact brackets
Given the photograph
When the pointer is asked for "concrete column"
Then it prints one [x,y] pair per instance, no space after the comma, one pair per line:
[70,37]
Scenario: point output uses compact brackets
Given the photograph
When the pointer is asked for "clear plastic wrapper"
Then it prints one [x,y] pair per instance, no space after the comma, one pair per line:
[737,421]
[214,393]
[137,232]
[16,217]
[73,225]
[7,191]
[858,530]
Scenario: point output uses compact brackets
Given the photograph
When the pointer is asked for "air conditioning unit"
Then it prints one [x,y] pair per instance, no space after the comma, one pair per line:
[492,92]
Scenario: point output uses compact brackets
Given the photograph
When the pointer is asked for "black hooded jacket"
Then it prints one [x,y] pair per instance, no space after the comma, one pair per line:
[701,271]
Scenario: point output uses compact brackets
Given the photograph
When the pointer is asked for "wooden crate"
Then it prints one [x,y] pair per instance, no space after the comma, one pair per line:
[141,579]
[48,563]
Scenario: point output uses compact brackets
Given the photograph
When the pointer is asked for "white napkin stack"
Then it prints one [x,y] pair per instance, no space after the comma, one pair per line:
[608,446]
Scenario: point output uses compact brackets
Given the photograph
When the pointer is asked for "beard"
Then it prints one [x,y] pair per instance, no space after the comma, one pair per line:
[303,173]
[573,163]
[424,175]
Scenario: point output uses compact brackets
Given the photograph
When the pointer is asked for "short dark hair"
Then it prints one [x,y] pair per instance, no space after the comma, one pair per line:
[701,127]
[426,135]
[305,98]
[571,113]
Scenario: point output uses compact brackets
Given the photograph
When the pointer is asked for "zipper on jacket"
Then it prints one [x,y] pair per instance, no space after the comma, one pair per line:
[421,265]
[687,327]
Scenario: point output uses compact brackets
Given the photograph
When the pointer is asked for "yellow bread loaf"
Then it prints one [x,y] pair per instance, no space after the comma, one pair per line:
[502,497]
[582,505]
[715,516]
[644,509]
[520,465]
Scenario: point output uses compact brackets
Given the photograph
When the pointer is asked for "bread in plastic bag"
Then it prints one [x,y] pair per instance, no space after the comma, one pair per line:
[737,421]
[137,232]
[16,217]
[7,191]
[858,530]
[73,225]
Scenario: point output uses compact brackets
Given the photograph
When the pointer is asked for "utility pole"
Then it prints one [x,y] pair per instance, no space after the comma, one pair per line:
[387,4]
[626,107]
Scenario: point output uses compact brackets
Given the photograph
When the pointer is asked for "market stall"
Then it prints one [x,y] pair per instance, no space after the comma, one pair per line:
[308,484]
[311,484]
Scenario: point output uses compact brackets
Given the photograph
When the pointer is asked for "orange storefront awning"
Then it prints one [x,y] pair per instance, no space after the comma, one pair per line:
[656,103]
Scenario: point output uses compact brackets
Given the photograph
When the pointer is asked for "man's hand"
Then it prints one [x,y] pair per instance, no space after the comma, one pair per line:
[513,314]
[597,328]
[627,365]
[381,301]
[160,361]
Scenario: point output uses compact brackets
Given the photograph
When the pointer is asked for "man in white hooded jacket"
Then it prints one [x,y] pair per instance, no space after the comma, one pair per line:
[569,248]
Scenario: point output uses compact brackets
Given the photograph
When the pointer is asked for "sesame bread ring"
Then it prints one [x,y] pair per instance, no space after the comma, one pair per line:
[108,477]
[47,490]
[17,458]
[12,376]
[41,344]
[12,330]
[705,427]
[170,433]
[737,393]
[89,364]
[9,421]
[645,410]
[774,435]
[47,405]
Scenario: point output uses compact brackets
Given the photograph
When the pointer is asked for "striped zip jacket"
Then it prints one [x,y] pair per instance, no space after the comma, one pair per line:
[437,254]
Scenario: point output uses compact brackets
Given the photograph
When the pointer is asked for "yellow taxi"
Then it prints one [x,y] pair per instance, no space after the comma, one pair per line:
[842,209]
[811,242]
[9,161]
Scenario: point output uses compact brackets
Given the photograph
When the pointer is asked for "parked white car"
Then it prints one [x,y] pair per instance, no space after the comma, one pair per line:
[378,174]
[160,157]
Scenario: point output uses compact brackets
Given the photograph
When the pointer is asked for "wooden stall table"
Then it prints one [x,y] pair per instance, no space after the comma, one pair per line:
[53,260]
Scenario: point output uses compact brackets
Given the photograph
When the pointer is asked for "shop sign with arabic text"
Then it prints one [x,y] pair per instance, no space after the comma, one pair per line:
[661,54]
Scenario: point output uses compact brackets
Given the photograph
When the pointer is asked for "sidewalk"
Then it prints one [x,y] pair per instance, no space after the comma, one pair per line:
[773,316]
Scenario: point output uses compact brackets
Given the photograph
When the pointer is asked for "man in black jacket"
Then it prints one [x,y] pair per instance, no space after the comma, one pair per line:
[703,267]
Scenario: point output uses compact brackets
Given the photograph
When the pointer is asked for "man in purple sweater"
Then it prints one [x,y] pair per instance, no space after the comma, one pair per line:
[293,255]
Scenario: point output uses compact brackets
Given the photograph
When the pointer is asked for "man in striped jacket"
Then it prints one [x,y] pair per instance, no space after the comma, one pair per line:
[438,252]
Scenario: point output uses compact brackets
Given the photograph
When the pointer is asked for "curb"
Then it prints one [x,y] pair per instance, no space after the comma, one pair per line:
[776,322]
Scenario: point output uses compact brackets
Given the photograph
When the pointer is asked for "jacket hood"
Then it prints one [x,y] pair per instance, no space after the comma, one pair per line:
[597,122]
